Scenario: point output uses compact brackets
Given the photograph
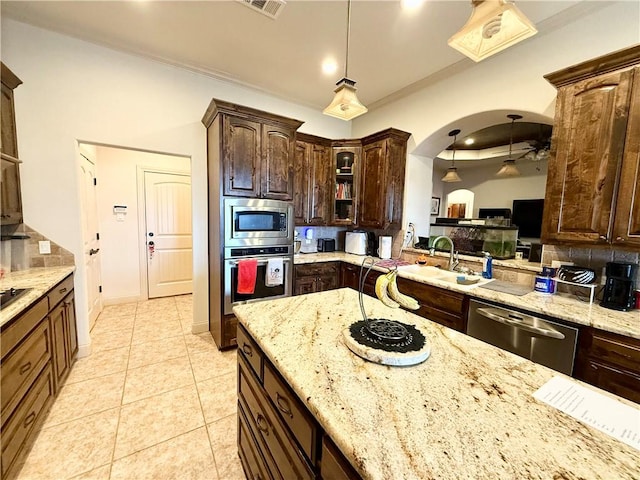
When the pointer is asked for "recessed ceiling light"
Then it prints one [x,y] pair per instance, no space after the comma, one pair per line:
[329,66]
[411,4]
[469,141]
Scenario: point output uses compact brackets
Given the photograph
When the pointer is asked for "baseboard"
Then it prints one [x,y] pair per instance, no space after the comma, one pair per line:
[84,350]
[120,300]
[197,328]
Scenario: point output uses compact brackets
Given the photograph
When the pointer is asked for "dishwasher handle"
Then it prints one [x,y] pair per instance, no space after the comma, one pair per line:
[491,314]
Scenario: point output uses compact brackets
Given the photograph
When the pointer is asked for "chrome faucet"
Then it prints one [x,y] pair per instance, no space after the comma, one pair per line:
[453,257]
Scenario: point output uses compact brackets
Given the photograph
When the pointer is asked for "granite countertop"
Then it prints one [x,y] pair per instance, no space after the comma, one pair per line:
[557,306]
[39,280]
[467,412]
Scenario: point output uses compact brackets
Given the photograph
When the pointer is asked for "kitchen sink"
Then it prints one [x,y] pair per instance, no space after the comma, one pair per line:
[440,275]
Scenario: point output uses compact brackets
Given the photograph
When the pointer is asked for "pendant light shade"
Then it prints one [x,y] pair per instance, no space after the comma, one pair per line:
[452,172]
[493,26]
[345,104]
[509,168]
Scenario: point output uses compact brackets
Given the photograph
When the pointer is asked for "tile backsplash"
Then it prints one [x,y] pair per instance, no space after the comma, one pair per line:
[23,253]
[595,258]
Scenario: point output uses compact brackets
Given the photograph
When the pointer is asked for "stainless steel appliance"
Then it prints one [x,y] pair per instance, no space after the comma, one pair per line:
[538,339]
[261,291]
[619,287]
[254,221]
[260,229]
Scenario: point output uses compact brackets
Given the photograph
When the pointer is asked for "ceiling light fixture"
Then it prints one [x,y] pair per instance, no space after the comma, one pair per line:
[345,104]
[509,168]
[493,26]
[452,171]
[469,141]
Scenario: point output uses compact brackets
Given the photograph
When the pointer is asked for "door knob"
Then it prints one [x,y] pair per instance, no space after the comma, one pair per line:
[93,251]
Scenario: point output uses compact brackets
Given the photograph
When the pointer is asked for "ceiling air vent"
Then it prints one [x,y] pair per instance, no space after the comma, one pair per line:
[270,8]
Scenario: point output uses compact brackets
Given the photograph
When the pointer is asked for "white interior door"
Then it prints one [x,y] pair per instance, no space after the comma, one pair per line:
[168,234]
[90,236]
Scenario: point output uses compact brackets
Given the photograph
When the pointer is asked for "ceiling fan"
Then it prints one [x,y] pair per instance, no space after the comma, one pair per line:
[539,151]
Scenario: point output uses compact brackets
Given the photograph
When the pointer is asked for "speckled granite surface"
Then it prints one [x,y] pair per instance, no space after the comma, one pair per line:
[467,412]
[557,306]
[39,280]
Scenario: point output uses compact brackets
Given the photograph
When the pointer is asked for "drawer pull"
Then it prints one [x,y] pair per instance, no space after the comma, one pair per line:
[262,424]
[29,420]
[25,368]
[247,350]
[62,290]
[283,405]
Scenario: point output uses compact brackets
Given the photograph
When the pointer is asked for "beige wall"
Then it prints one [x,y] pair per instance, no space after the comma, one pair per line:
[75,91]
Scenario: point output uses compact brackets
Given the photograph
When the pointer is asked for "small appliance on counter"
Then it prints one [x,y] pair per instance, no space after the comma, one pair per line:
[619,287]
[309,245]
[384,247]
[356,242]
[326,245]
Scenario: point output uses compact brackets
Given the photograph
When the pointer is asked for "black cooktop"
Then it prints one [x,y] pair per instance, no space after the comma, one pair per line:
[10,295]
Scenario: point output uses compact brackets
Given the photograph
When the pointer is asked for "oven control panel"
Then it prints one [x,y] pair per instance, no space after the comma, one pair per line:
[254,251]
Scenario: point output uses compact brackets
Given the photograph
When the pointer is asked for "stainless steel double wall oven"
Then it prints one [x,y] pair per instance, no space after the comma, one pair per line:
[260,229]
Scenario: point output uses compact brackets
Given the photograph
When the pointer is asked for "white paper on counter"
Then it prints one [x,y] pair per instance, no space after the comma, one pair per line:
[606,414]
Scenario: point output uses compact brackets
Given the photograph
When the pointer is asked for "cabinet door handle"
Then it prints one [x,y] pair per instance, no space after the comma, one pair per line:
[283,405]
[247,350]
[619,239]
[62,290]
[29,420]
[263,426]
[603,237]
[25,368]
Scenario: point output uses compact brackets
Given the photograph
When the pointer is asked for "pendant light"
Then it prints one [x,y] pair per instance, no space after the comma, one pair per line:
[493,26]
[452,172]
[509,168]
[345,104]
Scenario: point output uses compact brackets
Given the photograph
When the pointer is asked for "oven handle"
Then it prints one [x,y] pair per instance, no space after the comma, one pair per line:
[550,332]
[261,260]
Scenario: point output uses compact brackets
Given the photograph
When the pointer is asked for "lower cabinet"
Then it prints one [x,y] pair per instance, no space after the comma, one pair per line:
[442,306]
[38,350]
[277,436]
[609,361]
[316,277]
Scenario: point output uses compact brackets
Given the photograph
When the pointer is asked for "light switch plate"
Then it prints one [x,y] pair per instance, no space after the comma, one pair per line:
[44,246]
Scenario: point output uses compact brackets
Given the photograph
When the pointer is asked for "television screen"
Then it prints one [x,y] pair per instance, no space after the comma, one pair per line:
[527,215]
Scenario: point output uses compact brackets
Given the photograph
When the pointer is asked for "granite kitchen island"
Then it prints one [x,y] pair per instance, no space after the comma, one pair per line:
[466,412]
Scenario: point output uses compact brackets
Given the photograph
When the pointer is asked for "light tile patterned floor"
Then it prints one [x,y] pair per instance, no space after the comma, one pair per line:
[151,402]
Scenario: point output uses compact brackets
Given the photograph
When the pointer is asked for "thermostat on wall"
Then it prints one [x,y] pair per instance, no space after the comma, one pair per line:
[119,211]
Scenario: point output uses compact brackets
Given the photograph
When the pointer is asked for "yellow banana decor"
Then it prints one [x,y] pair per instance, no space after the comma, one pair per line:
[388,293]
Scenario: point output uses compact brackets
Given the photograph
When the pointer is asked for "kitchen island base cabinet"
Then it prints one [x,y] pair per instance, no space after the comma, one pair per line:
[277,436]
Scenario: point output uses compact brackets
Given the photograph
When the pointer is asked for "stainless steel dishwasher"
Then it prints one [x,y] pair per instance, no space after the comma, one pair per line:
[540,340]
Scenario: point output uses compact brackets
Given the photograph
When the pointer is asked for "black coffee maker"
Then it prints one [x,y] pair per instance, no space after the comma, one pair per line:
[620,285]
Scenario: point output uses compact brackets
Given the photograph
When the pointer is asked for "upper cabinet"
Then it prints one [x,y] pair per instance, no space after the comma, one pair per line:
[594,158]
[345,167]
[11,206]
[312,180]
[382,172]
[256,151]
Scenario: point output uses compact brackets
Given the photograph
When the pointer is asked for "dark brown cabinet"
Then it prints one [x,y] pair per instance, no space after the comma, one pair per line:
[11,206]
[312,181]
[593,161]
[316,277]
[38,350]
[11,213]
[382,171]
[254,149]
[250,153]
[344,182]
[277,435]
[609,361]
[437,304]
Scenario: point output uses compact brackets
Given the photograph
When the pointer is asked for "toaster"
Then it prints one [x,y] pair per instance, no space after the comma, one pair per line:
[356,243]
[326,245]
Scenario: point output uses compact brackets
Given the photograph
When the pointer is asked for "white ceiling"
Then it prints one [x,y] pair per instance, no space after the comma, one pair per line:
[390,50]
